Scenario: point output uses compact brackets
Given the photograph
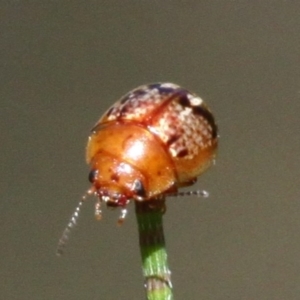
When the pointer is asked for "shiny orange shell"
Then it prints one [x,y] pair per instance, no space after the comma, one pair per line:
[155,139]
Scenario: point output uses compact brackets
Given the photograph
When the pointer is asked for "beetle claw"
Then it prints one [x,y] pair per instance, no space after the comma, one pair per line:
[122,216]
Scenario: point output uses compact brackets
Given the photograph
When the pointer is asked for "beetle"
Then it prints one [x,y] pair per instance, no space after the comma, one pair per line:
[156,139]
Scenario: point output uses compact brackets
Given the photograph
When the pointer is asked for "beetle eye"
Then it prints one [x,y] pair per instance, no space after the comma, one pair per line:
[92,175]
[139,188]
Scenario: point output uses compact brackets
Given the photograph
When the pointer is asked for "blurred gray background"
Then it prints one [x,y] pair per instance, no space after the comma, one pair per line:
[63,63]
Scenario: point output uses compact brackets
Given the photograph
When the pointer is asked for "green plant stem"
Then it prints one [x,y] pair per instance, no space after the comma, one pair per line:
[152,246]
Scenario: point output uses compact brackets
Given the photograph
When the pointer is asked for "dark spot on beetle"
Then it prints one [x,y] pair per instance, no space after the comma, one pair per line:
[93,175]
[182,153]
[154,86]
[139,92]
[125,99]
[114,177]
[138,188]
[158,173]
[166,90]
[184,101]
[172,139]
[109,111]
[206,114]
[123,110]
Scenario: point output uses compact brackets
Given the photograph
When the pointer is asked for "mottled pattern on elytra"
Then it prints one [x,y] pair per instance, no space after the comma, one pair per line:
[140,103]
[180,119]
[185,132]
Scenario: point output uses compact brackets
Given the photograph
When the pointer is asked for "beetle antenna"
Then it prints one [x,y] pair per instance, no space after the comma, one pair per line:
[198,193]
[73,221]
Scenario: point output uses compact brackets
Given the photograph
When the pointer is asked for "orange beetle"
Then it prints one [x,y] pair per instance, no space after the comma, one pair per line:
[155,139]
